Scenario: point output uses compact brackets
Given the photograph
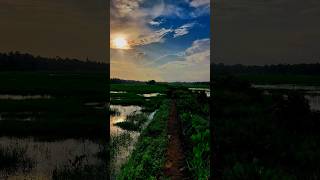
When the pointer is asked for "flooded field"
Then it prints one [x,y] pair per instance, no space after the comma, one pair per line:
[23,97]
[123,141]
[150,95]
[311,93]
[42,158]
[206,90]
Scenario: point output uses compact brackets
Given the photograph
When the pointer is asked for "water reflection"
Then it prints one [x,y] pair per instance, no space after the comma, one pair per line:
[23,97]
[314,102]
[150,94]
[123,141]
[206,90]
[311,93]
[50,155]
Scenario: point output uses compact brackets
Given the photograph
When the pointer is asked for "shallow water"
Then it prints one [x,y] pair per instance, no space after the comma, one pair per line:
[314,102]
[287,87]
[206,90]
[49,155]
[117,92]
[127,144]
[150,94]
[23,97]
[311,93]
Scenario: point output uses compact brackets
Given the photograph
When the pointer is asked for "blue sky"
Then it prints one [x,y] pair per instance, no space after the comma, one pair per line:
[167,40]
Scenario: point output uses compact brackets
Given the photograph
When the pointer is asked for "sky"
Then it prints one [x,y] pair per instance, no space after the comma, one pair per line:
[258,32]
[163,40]
[50,28]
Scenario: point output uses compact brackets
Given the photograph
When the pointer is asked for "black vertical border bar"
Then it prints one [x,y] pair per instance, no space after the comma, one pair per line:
[107,37]
[211,123]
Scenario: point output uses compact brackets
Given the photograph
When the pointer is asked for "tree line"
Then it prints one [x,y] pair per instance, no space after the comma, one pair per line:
[299,69]
[16,61]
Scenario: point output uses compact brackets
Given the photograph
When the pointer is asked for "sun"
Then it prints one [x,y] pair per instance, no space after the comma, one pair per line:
[120,43]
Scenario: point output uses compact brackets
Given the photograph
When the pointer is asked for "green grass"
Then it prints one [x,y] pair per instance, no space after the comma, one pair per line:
[65,114]
[58,84]
[148,157]
[196,133]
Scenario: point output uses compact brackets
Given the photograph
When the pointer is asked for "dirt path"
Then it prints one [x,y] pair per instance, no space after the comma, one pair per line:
[174,166]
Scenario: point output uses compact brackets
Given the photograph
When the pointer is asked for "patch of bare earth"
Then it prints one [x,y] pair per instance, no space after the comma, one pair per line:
[175,159]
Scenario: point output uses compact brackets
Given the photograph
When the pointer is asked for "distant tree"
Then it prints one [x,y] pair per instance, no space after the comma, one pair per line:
[151,82]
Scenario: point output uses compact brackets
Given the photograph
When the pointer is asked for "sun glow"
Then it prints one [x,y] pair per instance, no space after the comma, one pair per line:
[120,43]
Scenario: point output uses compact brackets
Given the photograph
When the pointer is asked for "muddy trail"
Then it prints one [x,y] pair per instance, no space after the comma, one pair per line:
[175,159]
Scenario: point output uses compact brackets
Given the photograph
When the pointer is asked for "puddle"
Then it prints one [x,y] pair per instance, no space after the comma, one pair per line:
[206,90]
[150,94]
[118,92]
[314,102]
[311,93]
[22,97]
[49,155]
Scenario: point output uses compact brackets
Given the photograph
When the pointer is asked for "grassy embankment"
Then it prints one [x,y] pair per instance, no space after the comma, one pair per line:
[262,136]
[194,113]
[147,159]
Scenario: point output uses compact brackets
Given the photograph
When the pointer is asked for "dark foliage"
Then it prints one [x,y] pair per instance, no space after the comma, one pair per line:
[16,61]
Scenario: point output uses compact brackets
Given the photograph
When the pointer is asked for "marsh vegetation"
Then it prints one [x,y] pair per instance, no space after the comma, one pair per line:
[53,118]
[265,131]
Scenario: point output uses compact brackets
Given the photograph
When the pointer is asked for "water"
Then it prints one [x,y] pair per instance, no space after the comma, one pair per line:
[287,87]
[117,92]
[206,90]
[124,141]
[150,95]
[23,97]
[49,155]
[311,93]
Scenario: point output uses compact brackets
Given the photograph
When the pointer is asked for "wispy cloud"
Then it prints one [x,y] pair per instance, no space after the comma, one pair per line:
[199,3]
[156,23]
[183,30]
[153,37]
[195,67]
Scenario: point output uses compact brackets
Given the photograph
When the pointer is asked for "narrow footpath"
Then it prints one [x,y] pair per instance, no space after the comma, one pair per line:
[174,166]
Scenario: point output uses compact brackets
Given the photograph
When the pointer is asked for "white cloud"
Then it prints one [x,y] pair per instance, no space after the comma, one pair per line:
[198,46]
[156,23]
[195,67]
[199,3]
[183,30]
[152,37]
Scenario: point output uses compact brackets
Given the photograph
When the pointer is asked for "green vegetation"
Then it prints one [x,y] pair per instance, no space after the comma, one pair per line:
[261,136]
[133,122]
[67,113]
[196,132]
[147,159]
